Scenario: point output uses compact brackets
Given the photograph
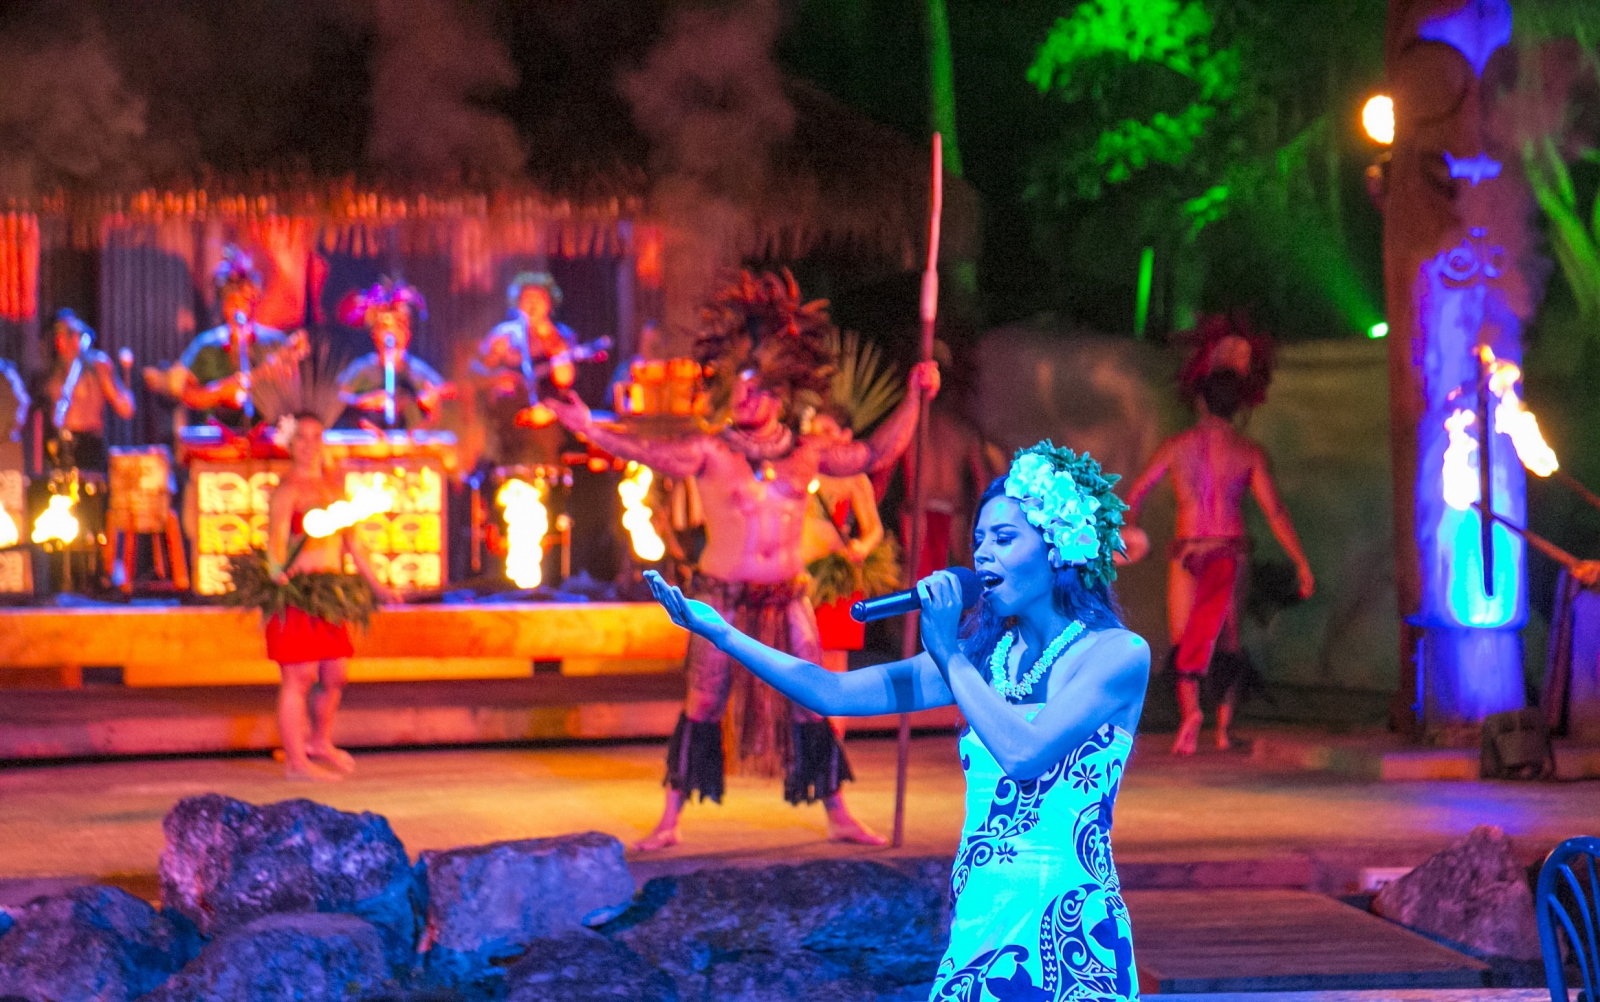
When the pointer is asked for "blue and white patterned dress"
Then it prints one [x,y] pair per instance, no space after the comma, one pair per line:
[1038,912]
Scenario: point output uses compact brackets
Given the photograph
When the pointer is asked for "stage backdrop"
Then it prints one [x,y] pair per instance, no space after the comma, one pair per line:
[1325,427]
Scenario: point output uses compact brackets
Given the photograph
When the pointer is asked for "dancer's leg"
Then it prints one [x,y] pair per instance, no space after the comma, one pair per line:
[324,701]
[1180,603]
[694,756]
[294,726]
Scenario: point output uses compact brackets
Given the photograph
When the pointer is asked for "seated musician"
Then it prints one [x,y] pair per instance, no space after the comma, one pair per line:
[73,395]
[390,387]
[14,403]
[209,379]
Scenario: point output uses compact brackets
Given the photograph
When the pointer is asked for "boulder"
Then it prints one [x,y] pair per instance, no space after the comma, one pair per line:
[1475,894]
[581,966]
[91,944]
[309,957]
[227,863]
[487,903]
[840,928]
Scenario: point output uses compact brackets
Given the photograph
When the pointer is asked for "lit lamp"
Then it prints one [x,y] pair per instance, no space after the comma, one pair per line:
[1377,117]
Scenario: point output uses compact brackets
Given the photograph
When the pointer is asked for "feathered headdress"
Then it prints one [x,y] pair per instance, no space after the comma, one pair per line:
[236,270]
[358,304]
[1227,341]
[757,321]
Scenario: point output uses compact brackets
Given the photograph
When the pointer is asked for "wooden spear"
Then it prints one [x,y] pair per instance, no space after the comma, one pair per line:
[910,640]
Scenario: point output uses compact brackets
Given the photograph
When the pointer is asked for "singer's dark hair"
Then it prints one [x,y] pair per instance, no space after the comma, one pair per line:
[1095,607]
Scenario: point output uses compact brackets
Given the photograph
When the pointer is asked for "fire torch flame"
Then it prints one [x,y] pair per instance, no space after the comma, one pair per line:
[633,489]
[369,499]
[8,530]
[1460,467]
[1513,417]
[527,521]
[56,524]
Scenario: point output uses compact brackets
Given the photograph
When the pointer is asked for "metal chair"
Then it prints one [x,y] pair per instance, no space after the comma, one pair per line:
[1569,893]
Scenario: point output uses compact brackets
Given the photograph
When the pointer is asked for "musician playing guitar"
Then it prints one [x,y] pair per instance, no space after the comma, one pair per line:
[74,396]
[528,351]
[213,378]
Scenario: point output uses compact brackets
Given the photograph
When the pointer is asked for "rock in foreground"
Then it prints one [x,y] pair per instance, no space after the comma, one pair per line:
[91,944]
[487,903]
[286,958]
[585,967]
[227,863]
[1474,893]
[827,930]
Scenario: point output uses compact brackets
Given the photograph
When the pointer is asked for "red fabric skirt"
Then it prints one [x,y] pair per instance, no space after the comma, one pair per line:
[296,636]
[836,629]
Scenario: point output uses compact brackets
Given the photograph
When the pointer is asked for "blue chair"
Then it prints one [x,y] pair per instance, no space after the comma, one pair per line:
[1569,894]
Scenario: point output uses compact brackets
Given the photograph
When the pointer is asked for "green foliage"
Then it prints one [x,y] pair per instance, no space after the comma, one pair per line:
[337,598]
[864,383]
[834,576]
[1103,36]
[1576,241]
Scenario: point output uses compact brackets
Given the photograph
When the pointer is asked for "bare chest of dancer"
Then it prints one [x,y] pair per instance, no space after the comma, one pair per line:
[1212,467]
[302,495]
[755,513]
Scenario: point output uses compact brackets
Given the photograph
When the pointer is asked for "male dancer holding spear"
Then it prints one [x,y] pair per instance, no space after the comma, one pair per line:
[767,353]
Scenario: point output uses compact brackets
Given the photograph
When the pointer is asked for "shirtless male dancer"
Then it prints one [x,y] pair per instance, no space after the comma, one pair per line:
[1212,466]
[753,478]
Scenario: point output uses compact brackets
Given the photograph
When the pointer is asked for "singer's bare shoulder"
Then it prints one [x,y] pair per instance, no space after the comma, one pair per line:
[1117,650]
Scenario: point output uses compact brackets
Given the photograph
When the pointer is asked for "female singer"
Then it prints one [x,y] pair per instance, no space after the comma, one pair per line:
[1052,687]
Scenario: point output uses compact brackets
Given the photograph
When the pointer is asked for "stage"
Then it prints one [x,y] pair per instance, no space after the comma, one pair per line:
[210,646]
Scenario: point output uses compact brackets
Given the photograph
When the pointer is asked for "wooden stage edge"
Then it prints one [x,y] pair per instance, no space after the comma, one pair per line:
[208,646]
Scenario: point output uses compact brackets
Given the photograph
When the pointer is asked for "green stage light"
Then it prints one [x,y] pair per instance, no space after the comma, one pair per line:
[1377,330]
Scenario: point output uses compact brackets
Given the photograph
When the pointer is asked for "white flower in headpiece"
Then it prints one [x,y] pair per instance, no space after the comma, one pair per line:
[283,431]
[1054,504]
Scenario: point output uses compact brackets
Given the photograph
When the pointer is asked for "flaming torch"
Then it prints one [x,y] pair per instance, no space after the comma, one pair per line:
[527,521]
[633,490]
[56,523]
[369,499]
[1460,478]
[8,530]
[1513,417]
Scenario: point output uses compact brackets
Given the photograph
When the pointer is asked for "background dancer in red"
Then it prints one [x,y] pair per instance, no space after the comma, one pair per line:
[1212,466]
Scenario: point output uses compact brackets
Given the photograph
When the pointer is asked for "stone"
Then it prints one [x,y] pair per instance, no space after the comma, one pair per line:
[227,863]
[307,957]
[843,929]
[91,944]
[582,966]
[1474,894]
[487,903]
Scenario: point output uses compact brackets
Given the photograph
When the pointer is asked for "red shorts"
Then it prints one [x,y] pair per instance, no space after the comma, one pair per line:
[296,637]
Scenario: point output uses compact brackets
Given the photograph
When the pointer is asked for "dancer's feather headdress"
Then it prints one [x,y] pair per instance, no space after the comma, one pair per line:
[1227,341]
[758,322]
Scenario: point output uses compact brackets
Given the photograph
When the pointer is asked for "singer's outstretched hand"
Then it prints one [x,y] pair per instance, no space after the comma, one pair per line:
[691,614]
[940,596]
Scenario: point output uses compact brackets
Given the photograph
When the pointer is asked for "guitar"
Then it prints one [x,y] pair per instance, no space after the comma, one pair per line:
[537,415]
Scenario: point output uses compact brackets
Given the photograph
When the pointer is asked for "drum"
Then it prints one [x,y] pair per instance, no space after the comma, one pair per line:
[141,489]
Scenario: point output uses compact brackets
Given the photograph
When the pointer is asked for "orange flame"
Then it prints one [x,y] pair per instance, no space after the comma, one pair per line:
[8,530]
[527,521]
[56,523]
[633,490]
[367,500]
[1512,416]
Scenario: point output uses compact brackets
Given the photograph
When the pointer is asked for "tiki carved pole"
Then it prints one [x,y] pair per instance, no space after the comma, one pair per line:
[1456,243]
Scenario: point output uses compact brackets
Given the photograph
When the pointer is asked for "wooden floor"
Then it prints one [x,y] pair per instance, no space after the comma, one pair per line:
[1281,941]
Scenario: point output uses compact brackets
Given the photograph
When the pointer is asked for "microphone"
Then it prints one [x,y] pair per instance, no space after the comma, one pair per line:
[901,602]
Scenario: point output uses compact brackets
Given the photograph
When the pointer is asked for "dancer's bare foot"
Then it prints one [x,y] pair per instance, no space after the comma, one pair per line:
[337,759]
[1188,739]
[309,772]
[661,838]
[1223,741]
[854,832]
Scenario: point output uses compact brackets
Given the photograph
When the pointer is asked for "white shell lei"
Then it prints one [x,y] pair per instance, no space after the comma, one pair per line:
[998,675]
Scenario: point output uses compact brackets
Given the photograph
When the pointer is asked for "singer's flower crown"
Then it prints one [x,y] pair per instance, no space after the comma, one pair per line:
[1068,499]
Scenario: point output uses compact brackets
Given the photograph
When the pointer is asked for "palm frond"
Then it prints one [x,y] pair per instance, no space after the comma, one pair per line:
[865,385]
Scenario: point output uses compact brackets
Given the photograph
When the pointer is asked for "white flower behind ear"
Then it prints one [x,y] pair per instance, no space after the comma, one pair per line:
[283,431]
